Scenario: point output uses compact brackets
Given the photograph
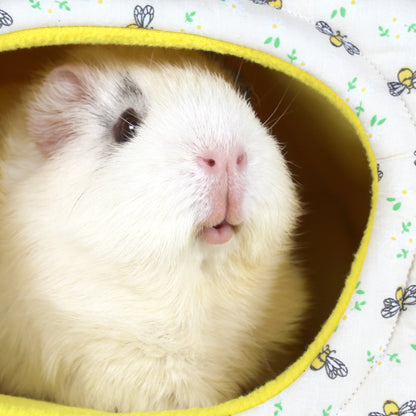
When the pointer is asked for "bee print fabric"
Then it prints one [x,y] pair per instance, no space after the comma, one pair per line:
[365,51]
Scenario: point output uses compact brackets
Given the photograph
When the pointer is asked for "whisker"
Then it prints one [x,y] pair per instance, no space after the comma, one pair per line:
[284,113]
[237,75]
[87,188]
[128,122]
[76,203]
[277,106]
[151,59]
[256,97]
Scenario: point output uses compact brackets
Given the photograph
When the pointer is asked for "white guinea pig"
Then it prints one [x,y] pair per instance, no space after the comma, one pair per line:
[146,229]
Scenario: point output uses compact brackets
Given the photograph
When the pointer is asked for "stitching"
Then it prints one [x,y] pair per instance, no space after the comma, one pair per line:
[388,342]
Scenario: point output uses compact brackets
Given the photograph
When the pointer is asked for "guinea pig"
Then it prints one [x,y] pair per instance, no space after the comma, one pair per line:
[147,223]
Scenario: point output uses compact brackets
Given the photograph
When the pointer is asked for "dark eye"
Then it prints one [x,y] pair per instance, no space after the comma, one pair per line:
[125,128]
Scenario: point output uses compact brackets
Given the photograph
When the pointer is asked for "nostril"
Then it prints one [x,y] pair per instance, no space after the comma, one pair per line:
[210,162]
[241,159]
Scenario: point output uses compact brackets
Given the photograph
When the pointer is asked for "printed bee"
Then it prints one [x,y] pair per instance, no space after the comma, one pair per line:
[407,80]
[333,366]
[391,408]
[143,16]
[277,4]
[5,19]
[380,173]
[403,298]
[337,39]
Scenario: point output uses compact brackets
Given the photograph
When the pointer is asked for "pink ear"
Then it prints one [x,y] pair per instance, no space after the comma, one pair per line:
[54,113]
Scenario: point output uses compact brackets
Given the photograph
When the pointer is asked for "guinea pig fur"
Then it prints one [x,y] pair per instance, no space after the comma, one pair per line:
[146,233]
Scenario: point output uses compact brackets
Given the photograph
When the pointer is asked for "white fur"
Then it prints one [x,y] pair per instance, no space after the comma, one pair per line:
[108,299]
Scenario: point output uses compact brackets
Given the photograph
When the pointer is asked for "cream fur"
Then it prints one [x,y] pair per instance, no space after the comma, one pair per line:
[108,299]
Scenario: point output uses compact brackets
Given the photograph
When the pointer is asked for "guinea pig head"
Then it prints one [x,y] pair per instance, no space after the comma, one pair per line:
[156,164]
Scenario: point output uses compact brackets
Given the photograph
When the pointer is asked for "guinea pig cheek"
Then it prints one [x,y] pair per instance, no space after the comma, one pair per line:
[224,187]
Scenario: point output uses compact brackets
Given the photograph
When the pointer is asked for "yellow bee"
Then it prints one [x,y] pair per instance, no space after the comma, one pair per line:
[337,39]
[277,4]
[402,299]
[391,408]
[407,80]
[143,16]
[333,366]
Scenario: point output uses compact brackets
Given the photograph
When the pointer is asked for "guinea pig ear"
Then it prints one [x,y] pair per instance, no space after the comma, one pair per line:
[55,112]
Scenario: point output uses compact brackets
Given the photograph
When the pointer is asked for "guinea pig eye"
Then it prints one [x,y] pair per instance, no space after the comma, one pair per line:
[125,128]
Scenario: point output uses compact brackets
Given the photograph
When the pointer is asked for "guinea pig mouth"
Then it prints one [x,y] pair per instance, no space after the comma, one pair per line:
[218,234]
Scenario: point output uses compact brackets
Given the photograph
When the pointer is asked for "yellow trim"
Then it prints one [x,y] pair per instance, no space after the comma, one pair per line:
[11,406]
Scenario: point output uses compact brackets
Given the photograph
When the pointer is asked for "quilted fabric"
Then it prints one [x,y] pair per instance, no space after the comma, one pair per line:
[365,52]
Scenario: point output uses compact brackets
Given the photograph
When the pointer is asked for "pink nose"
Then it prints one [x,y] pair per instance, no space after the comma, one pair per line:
[224,175]
[215,162]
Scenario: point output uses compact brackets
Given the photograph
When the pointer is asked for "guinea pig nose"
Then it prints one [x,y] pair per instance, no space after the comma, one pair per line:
[215,162]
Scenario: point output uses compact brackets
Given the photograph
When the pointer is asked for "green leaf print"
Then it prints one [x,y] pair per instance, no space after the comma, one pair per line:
[403,254]
[276,42]
[379,123]
[383,32]
[411,27]
[189,16]
[394,358]
[370,357]
[413,346]
[406,227]
[359,109]
[63,5]
[351,84]
[325,412]
[358,305]
[342,12]
[279,408]
[35,5]
[359,291]
[293,56]
[397,205]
